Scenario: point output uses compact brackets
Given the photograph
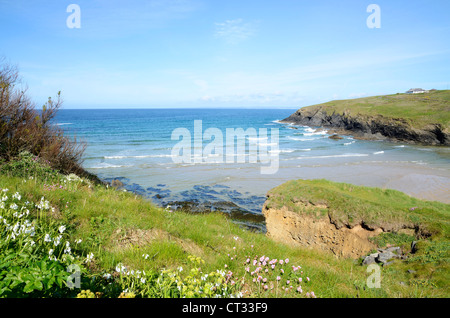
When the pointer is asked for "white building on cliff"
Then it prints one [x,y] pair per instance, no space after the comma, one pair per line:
[416,91]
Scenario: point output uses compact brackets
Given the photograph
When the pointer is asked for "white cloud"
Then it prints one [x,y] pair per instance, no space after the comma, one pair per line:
[235,31]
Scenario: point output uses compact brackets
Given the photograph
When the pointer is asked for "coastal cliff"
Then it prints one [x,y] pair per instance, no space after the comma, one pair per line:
[346,219]
[404,118]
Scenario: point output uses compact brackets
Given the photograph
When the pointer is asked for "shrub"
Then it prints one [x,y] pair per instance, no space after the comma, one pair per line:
[23,128]
[29,166]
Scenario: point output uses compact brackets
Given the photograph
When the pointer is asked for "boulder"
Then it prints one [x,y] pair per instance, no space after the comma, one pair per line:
[335,137]
[385,257]
[369,260]
[117,183]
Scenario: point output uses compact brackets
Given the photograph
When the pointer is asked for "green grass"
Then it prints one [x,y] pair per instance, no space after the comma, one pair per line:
[418,110]
[349,205]
[122,228]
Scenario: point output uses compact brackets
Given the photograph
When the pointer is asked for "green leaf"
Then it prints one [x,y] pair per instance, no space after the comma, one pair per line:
[29,287]
[38,285]
[50,282]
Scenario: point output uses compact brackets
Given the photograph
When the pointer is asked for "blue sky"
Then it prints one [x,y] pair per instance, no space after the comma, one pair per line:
[210,53]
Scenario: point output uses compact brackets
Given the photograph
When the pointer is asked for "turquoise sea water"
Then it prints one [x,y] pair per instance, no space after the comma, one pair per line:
[136,145]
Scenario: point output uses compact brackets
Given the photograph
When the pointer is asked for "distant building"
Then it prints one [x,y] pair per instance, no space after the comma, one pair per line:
[416,91]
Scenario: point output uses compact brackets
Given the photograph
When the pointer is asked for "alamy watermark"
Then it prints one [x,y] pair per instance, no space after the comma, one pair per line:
[374,20]
[73,21]
[240,146]
[74,280]
[374,280]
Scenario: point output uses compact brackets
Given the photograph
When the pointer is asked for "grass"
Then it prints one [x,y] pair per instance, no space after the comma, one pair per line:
[123,229]
[349,205]
[418,110]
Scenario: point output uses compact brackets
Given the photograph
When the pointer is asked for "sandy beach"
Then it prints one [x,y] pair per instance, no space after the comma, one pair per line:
[416,180]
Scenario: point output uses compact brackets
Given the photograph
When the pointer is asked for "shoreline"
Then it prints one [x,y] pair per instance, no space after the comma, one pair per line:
[415,180]
[421,182]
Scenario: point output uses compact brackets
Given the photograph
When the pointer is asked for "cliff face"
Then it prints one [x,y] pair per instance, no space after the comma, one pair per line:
[371,127]
[317,233]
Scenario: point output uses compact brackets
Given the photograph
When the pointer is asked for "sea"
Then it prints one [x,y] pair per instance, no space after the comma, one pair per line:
[175,155]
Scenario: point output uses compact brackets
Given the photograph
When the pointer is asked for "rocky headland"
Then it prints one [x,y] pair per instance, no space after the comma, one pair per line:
[409,119]
[370,127]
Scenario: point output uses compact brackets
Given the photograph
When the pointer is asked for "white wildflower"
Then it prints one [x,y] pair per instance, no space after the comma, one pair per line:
[120,268]
[43,204]
[47,238]
[89,258]
[57,240]
[61,228]
[67,249]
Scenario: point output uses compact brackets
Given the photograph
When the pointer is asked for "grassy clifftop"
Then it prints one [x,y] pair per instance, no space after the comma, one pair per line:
[418,118]
[377,216]
[349,205]
[420,110]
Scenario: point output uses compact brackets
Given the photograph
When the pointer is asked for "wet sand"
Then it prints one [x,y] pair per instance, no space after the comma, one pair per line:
[416,180]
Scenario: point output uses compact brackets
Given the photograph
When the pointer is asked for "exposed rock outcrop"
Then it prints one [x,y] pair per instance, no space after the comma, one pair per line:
[375,127]
[319,233]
